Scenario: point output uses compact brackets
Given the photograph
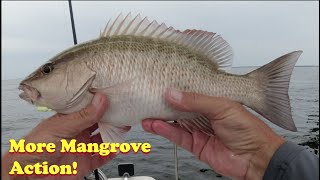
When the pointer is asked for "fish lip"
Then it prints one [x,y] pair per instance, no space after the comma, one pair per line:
[29,93]
[23,96]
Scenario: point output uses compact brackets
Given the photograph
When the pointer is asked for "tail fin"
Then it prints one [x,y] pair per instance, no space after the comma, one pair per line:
[274,81]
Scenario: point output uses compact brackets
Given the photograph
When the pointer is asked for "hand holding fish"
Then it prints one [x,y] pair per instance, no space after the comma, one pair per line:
[79,126]
[242,146]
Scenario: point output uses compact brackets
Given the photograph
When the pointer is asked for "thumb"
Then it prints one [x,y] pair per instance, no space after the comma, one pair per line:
[193,102]
[75,123]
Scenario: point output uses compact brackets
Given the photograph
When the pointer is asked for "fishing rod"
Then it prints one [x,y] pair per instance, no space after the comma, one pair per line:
[96,173]
[72,24]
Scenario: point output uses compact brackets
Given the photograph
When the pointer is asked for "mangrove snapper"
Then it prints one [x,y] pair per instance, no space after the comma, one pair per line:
[134,61]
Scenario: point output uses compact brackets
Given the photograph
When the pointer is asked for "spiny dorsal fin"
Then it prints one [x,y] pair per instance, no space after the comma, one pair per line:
[207,43]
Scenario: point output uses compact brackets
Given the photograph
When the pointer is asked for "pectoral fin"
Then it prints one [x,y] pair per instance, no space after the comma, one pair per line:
[198,124]
[122,88]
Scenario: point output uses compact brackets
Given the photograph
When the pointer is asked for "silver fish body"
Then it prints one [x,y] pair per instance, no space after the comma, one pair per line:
[134,68]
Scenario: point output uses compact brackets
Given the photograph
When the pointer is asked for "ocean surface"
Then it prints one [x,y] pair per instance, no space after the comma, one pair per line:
[18,118]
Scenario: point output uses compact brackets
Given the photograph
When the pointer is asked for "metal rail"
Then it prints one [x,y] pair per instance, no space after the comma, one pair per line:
[176,162]
[175,153]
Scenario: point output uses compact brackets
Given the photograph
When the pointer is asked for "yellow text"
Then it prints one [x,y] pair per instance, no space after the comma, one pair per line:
[43,169]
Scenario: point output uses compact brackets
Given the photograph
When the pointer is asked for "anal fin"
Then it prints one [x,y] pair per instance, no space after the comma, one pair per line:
[198,124]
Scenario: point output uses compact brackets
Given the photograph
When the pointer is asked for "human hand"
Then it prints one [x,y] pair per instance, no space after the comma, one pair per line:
[242,146]
[77,126]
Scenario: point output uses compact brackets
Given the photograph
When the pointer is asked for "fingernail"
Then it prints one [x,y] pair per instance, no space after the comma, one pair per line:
[175,95]
[97,99]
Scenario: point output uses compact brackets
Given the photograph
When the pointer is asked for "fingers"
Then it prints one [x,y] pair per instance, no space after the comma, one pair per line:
[87,117]
[92,128]
[175,134]
[194,142]
[193,102]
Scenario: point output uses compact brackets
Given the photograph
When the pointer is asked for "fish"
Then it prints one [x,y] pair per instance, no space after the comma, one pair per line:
[134,60]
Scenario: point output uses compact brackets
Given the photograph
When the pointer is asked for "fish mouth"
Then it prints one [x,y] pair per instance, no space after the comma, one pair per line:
[29,93]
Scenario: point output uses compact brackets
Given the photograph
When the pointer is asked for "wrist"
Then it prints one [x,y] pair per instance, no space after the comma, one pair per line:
[260,160]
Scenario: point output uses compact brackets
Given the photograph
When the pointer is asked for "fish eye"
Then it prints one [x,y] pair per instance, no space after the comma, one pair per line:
[47,68]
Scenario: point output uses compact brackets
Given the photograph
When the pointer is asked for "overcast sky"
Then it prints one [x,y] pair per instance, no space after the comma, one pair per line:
[258,32]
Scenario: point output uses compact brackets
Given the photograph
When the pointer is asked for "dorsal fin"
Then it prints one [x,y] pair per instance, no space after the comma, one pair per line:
[207,43]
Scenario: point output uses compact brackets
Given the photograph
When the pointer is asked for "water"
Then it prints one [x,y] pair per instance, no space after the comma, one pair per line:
[18,118]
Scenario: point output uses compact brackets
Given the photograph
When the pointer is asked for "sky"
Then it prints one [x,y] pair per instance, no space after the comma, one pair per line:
[258,32]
